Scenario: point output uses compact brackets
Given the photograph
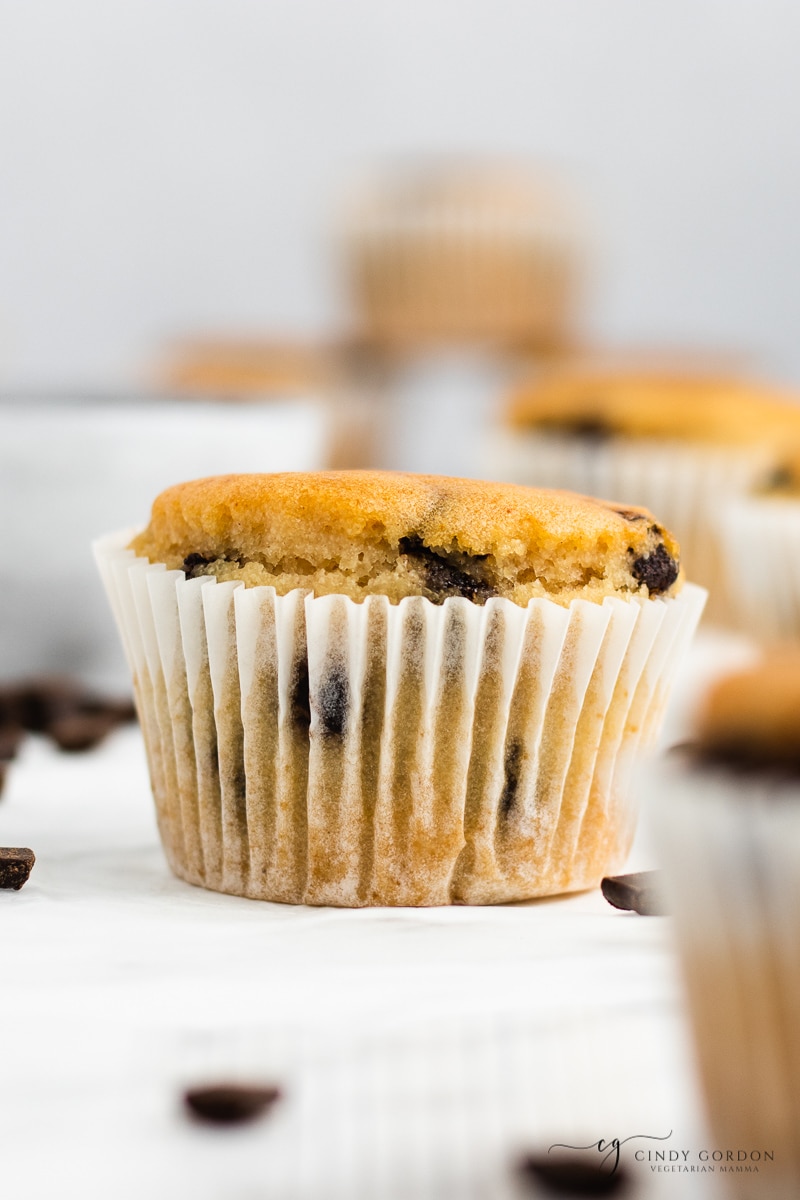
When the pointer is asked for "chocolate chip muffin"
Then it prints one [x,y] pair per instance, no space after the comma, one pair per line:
[729,833]
[598,402]
[368,533]
[760,535]
[365,688]
[684,444]
[463,254]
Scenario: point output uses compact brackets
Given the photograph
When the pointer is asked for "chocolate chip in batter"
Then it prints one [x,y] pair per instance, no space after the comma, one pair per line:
[657,570]
[16,863]
[230,1103]
[449,575]
[630,514]
[193,565]
[640,892]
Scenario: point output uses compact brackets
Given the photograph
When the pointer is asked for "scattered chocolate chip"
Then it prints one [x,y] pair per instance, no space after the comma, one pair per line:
[640,892]
[631,515]
[571,1175]
[657,570]
[230,1103]
[34,703]
[10,738]
[81,731]
[16,863]
[65,711]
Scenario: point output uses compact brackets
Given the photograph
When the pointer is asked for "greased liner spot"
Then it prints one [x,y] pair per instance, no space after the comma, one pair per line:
[316,750]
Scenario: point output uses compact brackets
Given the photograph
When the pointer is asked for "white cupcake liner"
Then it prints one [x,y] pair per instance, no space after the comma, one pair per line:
[688,486]
[761,541]
[730,846]
[318,750]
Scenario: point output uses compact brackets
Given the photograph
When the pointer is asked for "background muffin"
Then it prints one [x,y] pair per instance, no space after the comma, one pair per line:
[761,541]
[729,831]
[463,254]
[682,444]
[427,690]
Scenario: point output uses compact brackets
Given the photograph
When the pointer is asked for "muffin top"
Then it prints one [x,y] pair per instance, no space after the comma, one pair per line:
[752,717]
[361,533]
[597,401]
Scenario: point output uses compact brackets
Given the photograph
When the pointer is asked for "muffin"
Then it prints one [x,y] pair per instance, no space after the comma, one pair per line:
[761,541]
[729,831]
[461,254]
[683,444]
[365,688]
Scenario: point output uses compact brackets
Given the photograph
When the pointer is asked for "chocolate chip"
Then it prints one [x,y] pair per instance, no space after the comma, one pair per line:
[193,565]
[15,866]
[589,428]
[630,514]
[229,1103]
[11,736]
[511,766]
[334,701]
[81,731]
[657,570]
[36,705]
[640,892]
[571,1175]
[448,575]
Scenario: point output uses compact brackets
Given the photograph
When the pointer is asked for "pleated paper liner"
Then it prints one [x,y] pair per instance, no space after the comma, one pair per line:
[688,486]
[761,540]
[731,854]
[322,751]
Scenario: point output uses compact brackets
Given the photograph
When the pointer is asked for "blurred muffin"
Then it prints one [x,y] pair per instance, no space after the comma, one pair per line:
[761,541]
[238,369]
[365,688]
[682,444]
[729,831]
[460,255]
[330,374]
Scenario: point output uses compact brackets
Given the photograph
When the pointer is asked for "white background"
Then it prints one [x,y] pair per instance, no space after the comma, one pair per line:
[172,166]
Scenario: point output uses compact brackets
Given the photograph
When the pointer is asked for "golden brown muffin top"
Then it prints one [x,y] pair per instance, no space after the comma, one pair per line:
[371,532]
[753,716]
[600,401]
[246,368]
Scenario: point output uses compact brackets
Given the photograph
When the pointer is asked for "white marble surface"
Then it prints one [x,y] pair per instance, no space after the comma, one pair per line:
[419,1050]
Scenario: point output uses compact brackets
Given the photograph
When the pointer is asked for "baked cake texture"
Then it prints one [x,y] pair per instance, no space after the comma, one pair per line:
[371,688]
[365,533]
